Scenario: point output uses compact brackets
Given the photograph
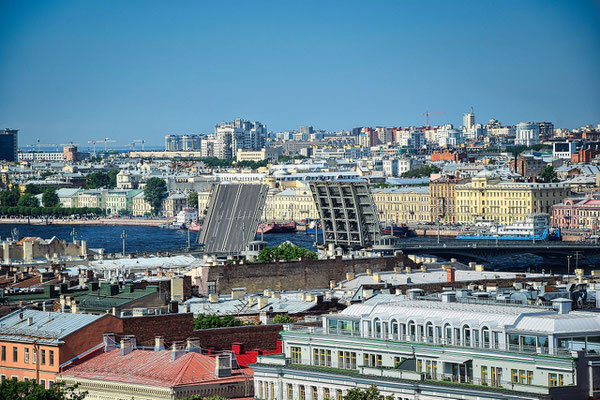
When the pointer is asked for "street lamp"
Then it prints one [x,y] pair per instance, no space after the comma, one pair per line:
[124,236]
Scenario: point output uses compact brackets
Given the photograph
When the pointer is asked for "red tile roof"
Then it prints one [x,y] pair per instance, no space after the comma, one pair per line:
[146,367]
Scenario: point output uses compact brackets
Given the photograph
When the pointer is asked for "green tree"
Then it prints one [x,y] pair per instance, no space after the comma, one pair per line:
[33,189]
[372,393]
[421,172]
[50,198]
[97,180]
[154,193]
[9,198]
[548,174]
[112,178]
[28,200]
[285,251]
[12,389]
[207,321]
[193,200]
[282,319]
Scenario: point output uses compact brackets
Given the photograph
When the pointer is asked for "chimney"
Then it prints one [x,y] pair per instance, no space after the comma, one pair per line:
[238,293]
[397,270]
[369,271]
[109,342]
[479,268]
[262,302]
[237,347]
[408,270]
[127,344]
[192,345]
[223,365]
[159,343]
[349,276]
[450,274]
[423,268]
[74,306]
[331,284]
[267,293]
[213,298]
[177,350]
[376,277]
[562,305]
[448,297]
[29,321]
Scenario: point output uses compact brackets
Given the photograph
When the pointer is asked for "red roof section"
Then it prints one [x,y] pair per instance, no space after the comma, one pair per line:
[146,367]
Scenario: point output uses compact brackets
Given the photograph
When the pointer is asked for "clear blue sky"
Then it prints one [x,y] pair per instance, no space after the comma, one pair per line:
[79,70]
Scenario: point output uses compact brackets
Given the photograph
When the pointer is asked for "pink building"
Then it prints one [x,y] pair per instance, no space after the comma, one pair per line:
[577,213]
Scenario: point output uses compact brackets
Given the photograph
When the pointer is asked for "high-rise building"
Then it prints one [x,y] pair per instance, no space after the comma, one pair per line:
[8,144]
[183,143]
[469,120]
[238,134]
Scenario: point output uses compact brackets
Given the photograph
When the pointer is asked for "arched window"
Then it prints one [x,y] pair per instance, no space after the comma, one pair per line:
[429,334]
[412,330]
[466,334]
[394,328]
[448,334]
[377,327]
[485,337]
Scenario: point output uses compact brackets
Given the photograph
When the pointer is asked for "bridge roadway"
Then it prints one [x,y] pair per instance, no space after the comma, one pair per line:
[484,249]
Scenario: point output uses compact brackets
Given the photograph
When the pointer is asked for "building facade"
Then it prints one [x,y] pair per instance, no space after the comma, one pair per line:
[432,349]
[9,144]
[442,194]
[409,205]
[487,197]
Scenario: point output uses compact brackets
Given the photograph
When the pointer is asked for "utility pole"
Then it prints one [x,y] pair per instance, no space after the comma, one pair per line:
[577,253]
[124,236]
[569,264]
[74,235]
[188,240]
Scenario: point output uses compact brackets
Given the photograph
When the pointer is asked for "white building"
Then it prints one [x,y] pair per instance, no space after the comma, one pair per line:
[439,348]
[563,150]
[528,134]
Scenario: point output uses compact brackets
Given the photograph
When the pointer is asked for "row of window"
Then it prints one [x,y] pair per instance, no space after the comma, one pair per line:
[27,379]
[26,355]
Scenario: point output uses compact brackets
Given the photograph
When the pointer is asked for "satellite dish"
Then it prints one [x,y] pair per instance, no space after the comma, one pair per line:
[21,315]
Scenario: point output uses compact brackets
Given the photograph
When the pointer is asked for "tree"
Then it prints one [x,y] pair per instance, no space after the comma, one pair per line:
[12,389]
[50,198]
[97,180]
[9,198]
[548,174]
[28,200]
[154,193]
[372,393]
[282,319]
[285,251]
[112,178]
[421,172]
[33,189]
[207,321]
[193,200]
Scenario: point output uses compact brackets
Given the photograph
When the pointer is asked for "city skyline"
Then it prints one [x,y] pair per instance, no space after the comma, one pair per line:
[77,72]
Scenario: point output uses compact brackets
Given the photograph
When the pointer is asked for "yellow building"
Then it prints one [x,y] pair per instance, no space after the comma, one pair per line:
[410,205]
[289,204]
[140,206]
[487,197]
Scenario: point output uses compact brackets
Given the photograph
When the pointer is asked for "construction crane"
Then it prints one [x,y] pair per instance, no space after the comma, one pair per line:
[105,141]
[142,141]
[70,144]
[428,113]
[40,145]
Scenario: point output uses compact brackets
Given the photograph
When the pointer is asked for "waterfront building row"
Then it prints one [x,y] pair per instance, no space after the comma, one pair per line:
[577,213]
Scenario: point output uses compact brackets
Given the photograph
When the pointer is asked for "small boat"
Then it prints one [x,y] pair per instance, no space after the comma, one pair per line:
[172,226]
[534,227]
[288,227]
[398,231]
[194,227]
[312,227]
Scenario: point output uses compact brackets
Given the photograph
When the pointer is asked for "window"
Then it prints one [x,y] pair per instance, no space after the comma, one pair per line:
[338,395]
[43,357]
[529,377]
[296,355]
[43,383]
[51,357]
[496,375]
[514,377]
[302,393]
[34,353]
[290,391]
[555,380]
[26,355]
[521,376]
[372,360]
[50,384]
[484,375]
[25,379]
[314,393]
[398,361]
[326,395]
[15,354]
[3,353]
[347,359]
[272,391]
[260,389]
[322,357]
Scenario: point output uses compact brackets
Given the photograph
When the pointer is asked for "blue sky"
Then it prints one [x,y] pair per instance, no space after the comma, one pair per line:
[79,70]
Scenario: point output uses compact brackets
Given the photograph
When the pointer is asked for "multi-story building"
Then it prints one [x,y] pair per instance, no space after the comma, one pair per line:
[447,155]
[258,155]
[438,348]
[289,204]
[41,156]
[36,345]
[91,198]
[577,213]
[174,203]
[487,197]
[442,193]
[183,142]
[528,133]
[528,165]
[563,150]
[407,205]
[71,154]
[140,206]
[9,144]
[238,134]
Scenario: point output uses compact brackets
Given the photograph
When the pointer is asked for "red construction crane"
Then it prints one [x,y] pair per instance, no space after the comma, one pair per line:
[427,114]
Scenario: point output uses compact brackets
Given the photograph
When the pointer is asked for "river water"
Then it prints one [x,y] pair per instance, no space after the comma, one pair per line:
[152,239]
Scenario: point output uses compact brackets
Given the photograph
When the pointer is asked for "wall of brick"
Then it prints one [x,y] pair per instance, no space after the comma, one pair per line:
[172,327]
[296,275]
[253,337]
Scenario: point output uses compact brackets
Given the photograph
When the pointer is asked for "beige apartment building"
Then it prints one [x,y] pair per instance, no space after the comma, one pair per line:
[408,205]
